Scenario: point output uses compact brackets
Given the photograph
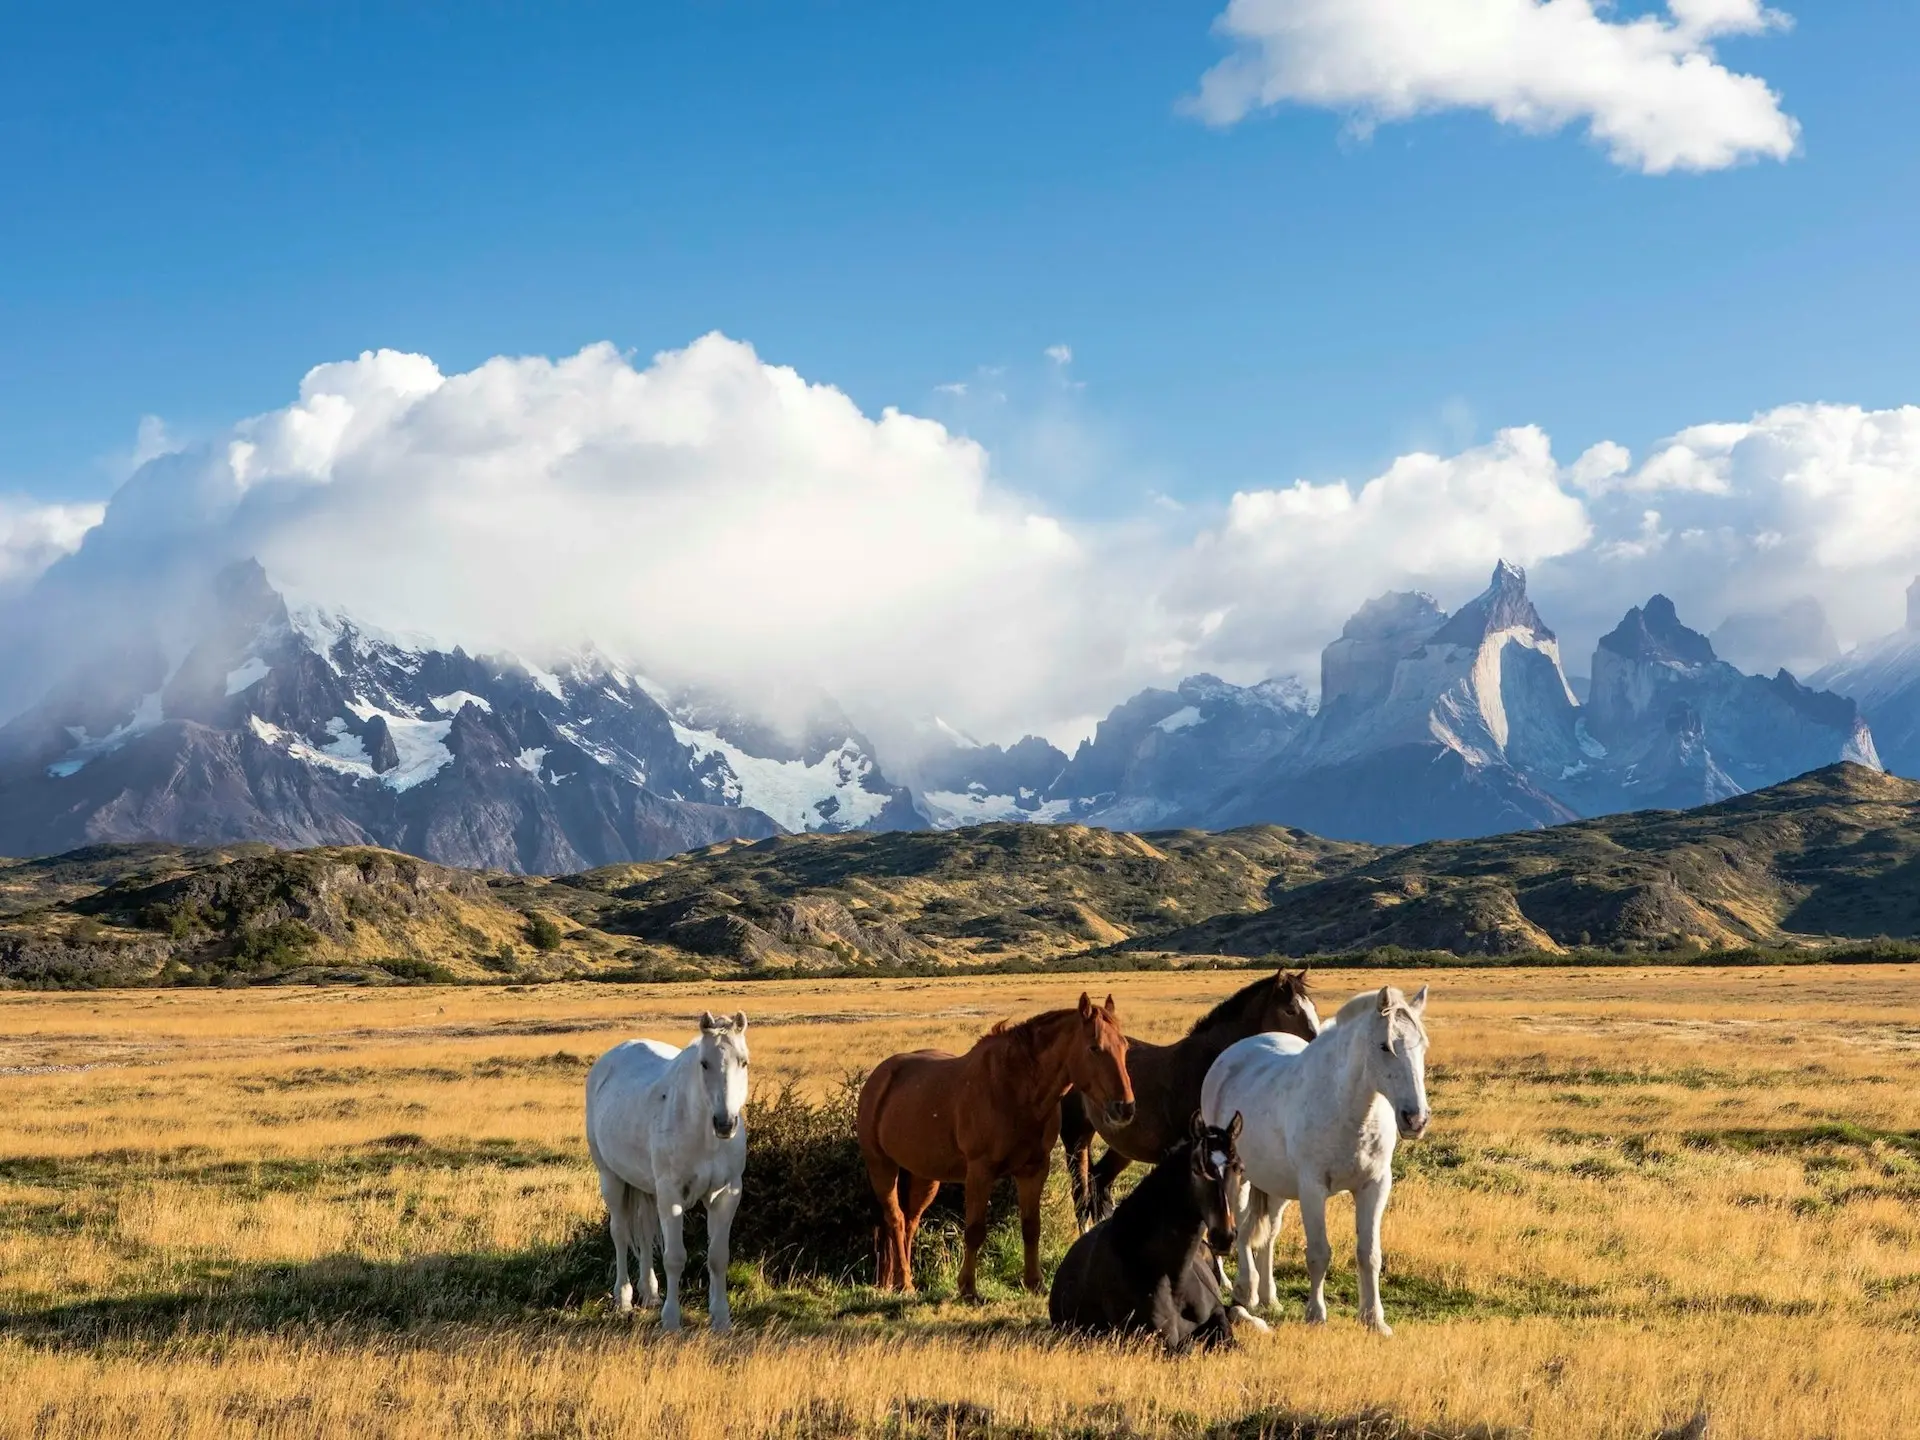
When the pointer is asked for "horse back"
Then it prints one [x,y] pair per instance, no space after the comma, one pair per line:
[910,1109]
[623,1100]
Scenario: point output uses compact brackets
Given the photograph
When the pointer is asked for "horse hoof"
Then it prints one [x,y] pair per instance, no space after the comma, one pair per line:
[1379,1326]
[1246,1317]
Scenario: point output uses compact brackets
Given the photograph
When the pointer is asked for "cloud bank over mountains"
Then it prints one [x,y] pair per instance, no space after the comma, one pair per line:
[709,516]
[1649,89]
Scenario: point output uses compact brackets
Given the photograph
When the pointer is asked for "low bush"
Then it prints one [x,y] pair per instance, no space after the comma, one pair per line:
[807,1211]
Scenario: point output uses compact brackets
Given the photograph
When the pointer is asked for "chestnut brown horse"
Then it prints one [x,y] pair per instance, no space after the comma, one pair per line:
[1166,1081]
[928,1118]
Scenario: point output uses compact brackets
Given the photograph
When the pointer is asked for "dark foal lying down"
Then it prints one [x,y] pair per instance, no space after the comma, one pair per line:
[1148,1268]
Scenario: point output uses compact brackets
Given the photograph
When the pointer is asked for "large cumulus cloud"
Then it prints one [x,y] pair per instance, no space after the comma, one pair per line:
[710,516]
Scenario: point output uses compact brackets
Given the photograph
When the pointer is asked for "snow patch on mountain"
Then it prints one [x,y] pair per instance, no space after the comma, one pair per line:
[954,809]
[248,675]
[531,759]
[147,714]
[454,702]
[797,794]
[419,744]
[959,738]
[1179,720]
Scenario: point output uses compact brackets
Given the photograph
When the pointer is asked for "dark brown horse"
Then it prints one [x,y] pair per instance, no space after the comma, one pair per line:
[1166,1083]
[929,1117]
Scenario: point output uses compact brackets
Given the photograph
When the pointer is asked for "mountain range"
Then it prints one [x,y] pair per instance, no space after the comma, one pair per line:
[299,726]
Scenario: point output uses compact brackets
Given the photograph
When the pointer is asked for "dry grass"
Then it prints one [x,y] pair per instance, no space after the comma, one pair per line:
[303,1211]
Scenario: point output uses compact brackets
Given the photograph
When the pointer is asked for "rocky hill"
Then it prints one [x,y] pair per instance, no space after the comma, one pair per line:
[1833,854]
[792,904]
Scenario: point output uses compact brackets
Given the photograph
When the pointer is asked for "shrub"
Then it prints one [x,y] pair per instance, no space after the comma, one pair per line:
[543,933]
[410,971]
[278,946]
[806,1207]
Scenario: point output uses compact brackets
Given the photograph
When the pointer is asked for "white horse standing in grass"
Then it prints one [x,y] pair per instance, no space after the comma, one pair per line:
[665,1131]
[1321,1118]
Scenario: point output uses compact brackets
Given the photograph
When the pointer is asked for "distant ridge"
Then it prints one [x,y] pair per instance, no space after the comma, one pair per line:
[1830,855]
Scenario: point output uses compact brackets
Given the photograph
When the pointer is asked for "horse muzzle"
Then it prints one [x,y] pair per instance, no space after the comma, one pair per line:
[726,1127]
[1119,1112]
[1220,1240]
[1413,1123]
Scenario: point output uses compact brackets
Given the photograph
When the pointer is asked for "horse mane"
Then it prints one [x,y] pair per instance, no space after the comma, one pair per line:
[1367,1002]
[1230,1008]
[1026,1031]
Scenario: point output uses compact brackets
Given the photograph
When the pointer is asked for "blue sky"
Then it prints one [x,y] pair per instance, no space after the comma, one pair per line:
[202,201]
[1340,295]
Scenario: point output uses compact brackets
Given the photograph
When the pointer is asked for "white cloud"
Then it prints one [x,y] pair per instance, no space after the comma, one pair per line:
[1060,354]
[1289,565]
[1804,499]
[1649,88]
[33,536]
[711,515]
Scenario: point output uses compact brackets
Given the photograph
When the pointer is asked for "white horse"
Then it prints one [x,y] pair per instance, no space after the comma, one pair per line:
[1321,1118]
[665,1132]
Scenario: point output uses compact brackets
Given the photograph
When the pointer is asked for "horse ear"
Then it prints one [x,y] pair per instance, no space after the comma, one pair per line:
[709,1021]
[1112,1014]
[1419,1002]
[1086,1006]
[1197,1128]
[740,1021]
[1386,999]
[1236,1125]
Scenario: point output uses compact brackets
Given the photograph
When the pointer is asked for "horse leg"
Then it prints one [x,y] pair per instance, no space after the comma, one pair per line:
[920,1193]
[891,1272]
[644,1223]
[720,1213]
[672,1231]
[979,1193]
[1248,1205]
[1076,1138]
[616,1193]
[1104,1174]
[1031,1188]
[1369,1204]
[1263,1254]
[1313,1220]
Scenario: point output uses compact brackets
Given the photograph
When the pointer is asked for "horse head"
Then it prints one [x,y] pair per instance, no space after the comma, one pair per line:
[1397,1058]
[1097,1065]
[723,1069]
[1286,1007]
[1215,1175]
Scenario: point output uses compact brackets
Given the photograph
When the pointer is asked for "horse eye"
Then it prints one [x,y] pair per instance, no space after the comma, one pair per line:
[1388,1049]
[706,1064]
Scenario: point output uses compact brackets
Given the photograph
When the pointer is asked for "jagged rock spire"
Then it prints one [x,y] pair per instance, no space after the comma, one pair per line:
[1654,631]
[1503,605]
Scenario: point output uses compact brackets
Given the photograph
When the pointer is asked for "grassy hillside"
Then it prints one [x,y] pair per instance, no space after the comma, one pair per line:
[123,915]
[1831,855]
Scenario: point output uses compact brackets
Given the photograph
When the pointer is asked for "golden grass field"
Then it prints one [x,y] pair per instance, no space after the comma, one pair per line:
[306,1212]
